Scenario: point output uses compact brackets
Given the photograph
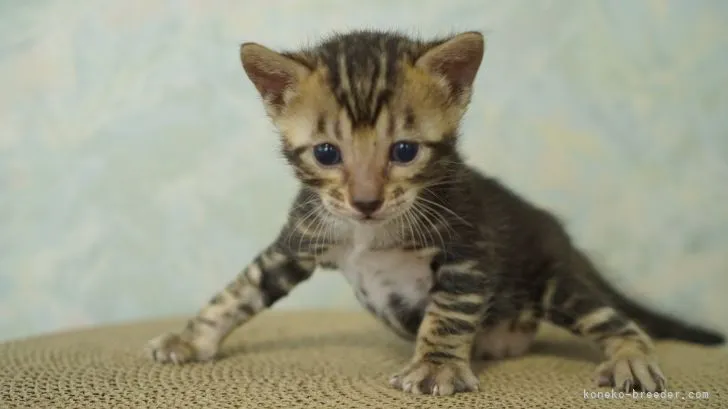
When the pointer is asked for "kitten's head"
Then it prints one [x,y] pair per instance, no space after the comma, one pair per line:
[368,119]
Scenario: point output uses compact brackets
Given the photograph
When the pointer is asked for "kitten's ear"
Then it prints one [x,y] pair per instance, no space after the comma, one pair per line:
[274,75]
[457,60]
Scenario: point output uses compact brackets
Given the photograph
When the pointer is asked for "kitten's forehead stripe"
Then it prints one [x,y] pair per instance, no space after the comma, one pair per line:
[379,82]
[321,124]
[374,81]
[362,68]
[343,86]
[337,129]
[391,126]
[409,120]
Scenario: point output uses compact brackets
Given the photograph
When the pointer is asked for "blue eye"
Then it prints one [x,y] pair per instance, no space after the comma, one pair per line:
[327,154]
[403,152]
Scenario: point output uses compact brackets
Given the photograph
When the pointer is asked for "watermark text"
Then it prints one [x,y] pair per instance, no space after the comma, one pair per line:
[665,395]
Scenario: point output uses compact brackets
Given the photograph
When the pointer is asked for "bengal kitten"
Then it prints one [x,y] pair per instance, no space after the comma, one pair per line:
[442,254]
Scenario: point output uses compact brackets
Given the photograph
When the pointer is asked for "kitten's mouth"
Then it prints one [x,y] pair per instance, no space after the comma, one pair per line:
[369,219]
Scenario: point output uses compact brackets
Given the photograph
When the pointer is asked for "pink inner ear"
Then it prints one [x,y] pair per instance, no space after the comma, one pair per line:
[271,85]
[459,69]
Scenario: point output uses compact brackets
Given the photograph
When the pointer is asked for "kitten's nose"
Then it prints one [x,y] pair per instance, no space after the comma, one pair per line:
[367,207]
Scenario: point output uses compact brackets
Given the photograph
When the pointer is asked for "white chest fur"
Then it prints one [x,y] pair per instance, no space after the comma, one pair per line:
[383,280]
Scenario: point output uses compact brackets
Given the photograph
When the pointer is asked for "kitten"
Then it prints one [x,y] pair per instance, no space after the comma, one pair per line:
[442,254]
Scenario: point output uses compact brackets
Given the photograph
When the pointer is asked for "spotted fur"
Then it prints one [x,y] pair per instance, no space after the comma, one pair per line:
[448,257]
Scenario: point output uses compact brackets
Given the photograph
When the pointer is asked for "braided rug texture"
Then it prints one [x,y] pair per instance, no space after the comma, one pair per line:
[320,359]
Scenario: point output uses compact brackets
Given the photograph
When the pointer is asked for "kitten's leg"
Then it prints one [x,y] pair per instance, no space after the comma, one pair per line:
[441,362]
[270,276]
[507,338]
[631,362]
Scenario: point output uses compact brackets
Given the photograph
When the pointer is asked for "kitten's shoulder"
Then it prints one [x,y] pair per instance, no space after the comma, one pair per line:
[488,187]
[495,197]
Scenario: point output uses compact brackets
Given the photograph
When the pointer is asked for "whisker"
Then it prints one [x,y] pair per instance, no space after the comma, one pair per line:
[315,215]
[445,209]
[418,222]
[298,224]
[416,207]
[321,225]
[409,225]
[438,217]
[418,228]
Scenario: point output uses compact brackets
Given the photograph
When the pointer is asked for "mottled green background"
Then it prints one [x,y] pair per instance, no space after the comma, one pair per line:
[138,172]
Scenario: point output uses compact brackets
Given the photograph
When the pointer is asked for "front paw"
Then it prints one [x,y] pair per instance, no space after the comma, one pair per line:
[631,371]
[175,348]
[435,378]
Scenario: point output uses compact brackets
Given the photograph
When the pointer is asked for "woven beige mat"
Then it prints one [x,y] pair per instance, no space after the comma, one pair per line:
[320,360]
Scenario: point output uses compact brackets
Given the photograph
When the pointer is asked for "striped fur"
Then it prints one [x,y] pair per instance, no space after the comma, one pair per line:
[451,259]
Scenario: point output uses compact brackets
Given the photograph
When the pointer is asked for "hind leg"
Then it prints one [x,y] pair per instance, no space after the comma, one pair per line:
[631,363]
[507,338]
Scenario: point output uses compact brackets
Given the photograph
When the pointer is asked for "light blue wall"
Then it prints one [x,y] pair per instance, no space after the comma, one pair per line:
[138,172]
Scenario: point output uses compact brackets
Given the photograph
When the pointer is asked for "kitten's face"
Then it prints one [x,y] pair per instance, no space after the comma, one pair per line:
[367,119]
[370,171]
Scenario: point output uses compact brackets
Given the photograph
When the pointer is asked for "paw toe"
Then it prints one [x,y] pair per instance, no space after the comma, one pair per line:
[170,348]
[435,379]
[631,373]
